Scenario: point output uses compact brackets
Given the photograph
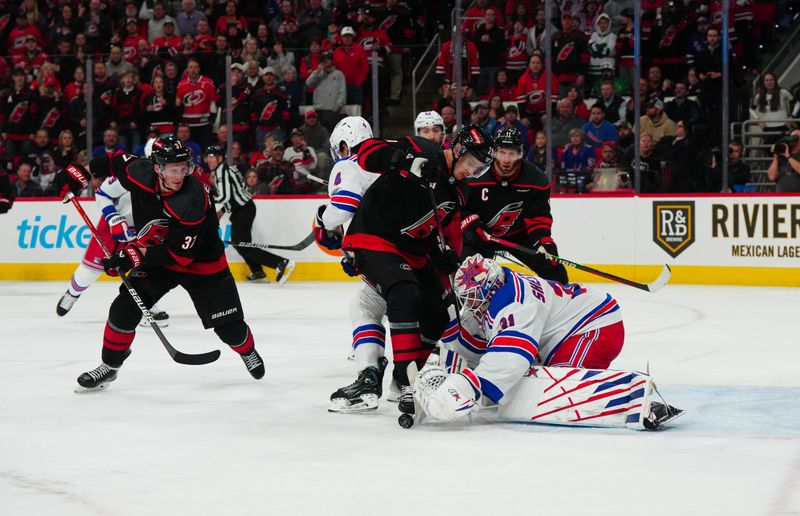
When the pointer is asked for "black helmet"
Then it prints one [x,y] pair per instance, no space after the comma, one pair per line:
[475,140]
[169,149]
[215,150]
[508,137]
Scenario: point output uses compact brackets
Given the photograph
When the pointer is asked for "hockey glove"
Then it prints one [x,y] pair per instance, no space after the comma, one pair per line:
[123,260]
[349,266]
[153,233]
[475,236]
[73,179]
[414,165]
[446,260]
[5,204]
[446,397]
[328,239]
[547,268]
[119,228]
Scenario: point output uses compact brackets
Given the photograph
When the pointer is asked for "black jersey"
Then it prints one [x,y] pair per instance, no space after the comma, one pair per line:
[512,208]
[193,244]
[396,214]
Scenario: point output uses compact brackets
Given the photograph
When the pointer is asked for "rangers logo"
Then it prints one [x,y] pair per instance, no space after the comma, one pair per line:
[425,226]
[194,98]
[673,225]
[502,222]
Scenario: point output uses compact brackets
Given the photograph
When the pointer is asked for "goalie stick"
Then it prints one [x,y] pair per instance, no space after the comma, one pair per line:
[177,356]
[653,286]
[408,420]
[307,241]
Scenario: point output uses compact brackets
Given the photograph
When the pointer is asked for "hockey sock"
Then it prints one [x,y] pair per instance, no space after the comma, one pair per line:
[369,344]
[237,335]
[82,278]
[116,343]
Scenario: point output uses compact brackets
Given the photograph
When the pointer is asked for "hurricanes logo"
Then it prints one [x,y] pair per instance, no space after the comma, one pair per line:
[536,97]
[51,118]
[268,110]
[668,37]
[503,221]
[673,225]
[425,226]
[194,98]
[129,53]
[563,55]
[388,22]
[19,112]
[368,43]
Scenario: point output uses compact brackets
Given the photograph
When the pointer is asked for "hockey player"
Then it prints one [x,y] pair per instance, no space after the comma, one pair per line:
[232,197]
[346,189]
[512,202]
[429,125]
[512,322]
[185,249]
[394,235]
[115,228]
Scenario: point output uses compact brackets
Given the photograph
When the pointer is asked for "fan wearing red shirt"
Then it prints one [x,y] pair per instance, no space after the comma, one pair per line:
[195,95]
[351,59]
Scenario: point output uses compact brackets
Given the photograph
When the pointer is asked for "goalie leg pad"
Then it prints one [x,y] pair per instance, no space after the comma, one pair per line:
[580,397]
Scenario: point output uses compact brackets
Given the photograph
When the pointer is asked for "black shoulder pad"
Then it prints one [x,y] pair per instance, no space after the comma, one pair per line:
[531,174]
[189,204]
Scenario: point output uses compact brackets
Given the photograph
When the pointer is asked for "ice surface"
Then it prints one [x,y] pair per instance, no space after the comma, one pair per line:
[209,440]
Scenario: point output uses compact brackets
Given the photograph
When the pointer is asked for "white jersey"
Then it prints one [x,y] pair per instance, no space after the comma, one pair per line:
[112,198]
[347,185]
[528,319]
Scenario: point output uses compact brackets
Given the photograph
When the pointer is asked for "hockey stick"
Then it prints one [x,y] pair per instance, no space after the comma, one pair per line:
[653,286]
[312,177]
[177,356]
[442,245]
[307,241]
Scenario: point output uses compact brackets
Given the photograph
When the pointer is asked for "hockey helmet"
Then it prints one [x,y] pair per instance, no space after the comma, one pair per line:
[476,281]
[474,140]
[350,131]
[427,119]
[148,148]
[510,138]
[215,150]
[168,149]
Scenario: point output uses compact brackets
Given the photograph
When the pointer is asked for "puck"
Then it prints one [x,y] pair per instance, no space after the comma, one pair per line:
[405,420]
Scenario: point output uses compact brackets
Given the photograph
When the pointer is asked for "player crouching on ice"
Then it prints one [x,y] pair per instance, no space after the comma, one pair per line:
[511,325]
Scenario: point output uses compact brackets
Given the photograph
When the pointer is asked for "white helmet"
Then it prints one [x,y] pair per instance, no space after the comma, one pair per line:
[427,118]
[351,131]
[148,148]
[476,280]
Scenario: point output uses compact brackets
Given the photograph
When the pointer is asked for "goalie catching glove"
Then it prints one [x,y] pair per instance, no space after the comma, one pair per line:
[446,397]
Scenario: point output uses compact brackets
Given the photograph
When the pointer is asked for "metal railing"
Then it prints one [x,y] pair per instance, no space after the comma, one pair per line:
[756,151]
[416,87]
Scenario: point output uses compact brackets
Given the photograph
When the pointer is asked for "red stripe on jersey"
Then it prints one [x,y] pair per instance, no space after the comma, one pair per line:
[201,268]
[376,243]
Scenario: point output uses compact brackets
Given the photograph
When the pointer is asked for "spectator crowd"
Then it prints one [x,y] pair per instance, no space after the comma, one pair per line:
[160,66]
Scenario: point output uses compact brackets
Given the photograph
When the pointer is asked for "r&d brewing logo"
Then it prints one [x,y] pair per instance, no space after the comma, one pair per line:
[673,225]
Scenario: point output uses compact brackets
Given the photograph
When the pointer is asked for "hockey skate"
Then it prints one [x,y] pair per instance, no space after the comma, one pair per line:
[405,402]
[394,392]
[284,270]
[257,277]
[159,316]
[98,378]
[660,413]
[65,303]
[255,366]
[363,394]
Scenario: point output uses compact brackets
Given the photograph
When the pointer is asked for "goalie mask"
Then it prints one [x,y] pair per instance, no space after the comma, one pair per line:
[476,281]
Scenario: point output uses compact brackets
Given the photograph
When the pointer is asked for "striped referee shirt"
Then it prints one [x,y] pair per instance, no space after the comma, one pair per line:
[231,191]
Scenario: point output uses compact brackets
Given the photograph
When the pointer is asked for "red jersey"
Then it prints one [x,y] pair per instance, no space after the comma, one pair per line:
[130,48]
[368,40]
[470,64]
[16,38]
[353,64]
[533,91]
[515,57]
[196,99]
[166,45]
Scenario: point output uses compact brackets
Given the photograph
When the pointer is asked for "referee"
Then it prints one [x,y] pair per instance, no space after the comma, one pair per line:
[232,197]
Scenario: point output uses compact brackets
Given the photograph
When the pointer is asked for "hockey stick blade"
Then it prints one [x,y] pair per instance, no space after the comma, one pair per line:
[177,356]
[409,420]
[307,241]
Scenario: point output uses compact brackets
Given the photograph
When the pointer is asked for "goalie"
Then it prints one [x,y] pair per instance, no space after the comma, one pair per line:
[514,323]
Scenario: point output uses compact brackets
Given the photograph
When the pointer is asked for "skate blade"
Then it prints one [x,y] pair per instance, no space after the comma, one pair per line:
[83,390]
[287,272]
[369,402]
